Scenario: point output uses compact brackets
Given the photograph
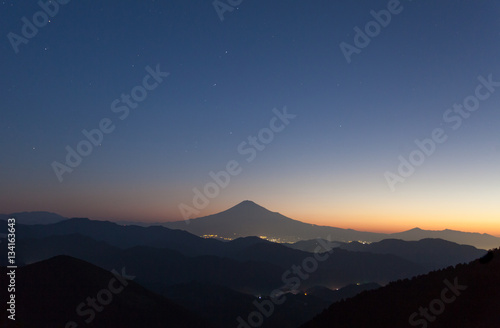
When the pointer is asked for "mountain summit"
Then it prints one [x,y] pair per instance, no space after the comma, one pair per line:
[248,206]
[250,219]
[244,219]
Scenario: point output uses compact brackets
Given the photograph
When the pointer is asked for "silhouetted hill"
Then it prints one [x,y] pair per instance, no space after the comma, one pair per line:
[222,306]
[432,253]
[156,267]
[479,240]
[243,220]
[340,269]
[34,217]
[467,295]
[48,294]
[125,236]
[314,245]
[250,219]
[259,268]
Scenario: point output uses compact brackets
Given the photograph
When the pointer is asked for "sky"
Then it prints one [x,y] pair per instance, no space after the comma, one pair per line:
[372,115]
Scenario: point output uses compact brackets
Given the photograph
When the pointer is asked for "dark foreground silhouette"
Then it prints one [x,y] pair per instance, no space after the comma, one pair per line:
[467,295]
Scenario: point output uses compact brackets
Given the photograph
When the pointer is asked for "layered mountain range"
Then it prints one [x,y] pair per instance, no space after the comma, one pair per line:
[211,282]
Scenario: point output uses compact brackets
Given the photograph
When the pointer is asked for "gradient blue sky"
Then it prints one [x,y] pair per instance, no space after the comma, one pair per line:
[326,167]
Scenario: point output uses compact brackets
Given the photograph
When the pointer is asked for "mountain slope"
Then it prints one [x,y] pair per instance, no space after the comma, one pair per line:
[467,295]
[479,240]
[431,253]
[250,219]
[50,291]
[242,220]
[259,268]
[34,217]
[222,305]
[156,267]
[124,236]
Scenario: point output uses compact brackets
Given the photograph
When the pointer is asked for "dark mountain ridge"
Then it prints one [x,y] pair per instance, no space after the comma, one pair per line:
[467,295]
[250,219]
[50,291]
[431,253]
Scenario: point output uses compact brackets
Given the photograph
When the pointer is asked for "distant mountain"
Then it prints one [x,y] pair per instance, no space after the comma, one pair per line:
[380,262]
[483,241]
[156,268]
[250,219]
[49,292]
[431,253]
[123,236]
[259,268]
[467,295]
[34,217]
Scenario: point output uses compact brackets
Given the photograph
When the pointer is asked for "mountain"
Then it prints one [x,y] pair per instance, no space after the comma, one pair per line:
[467,295]
[249,219]
[431,253]
[483,241]
[48,294]
[222,288]
[222,305]
[243,220]
[311,245]
[123,236]
[34,217]
[257,269]
[182,250]
[156,268]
